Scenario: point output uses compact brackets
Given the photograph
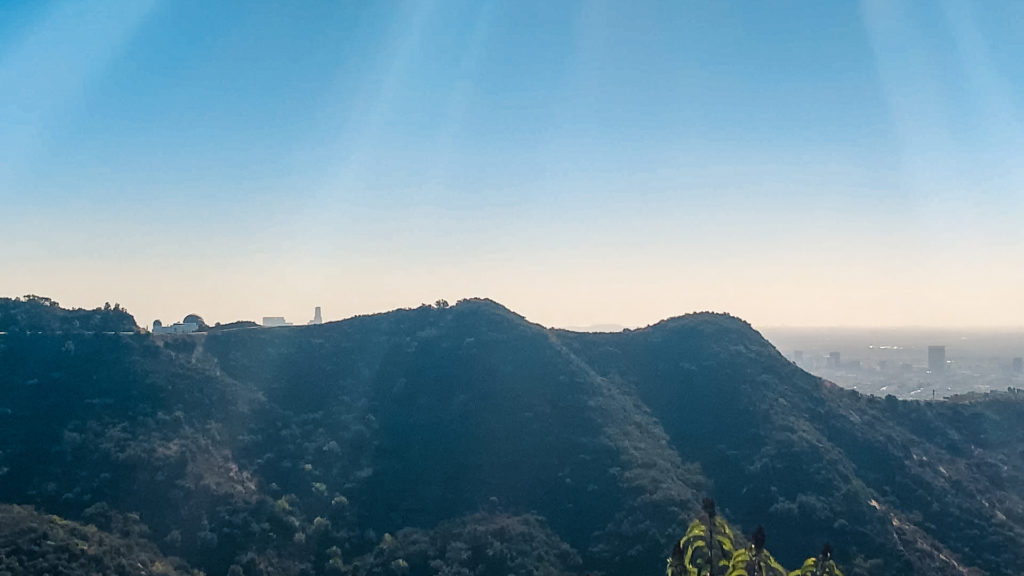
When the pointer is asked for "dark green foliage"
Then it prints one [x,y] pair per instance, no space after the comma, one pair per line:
[33,543]
[40,314]
[477,544]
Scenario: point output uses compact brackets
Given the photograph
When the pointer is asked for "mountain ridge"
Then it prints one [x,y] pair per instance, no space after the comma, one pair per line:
[269,449]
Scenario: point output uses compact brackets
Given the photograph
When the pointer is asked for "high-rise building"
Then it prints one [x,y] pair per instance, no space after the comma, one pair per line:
[833,359]
[937,359]
[275,321]
[317,318]
[1018,365]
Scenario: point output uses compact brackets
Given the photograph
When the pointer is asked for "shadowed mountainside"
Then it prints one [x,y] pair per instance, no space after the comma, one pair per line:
[467,440]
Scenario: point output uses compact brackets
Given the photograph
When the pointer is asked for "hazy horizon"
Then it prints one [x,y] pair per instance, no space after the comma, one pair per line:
[300,316]
[846,164]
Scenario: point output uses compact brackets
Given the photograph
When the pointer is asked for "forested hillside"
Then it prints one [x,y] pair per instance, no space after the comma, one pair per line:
[466,440]
[40,314]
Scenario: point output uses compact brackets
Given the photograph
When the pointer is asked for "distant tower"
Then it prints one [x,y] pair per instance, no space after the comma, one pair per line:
[937,359]
[317,318]
[833,359]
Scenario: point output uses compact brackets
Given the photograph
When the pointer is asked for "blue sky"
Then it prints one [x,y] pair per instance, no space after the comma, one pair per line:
[794,163]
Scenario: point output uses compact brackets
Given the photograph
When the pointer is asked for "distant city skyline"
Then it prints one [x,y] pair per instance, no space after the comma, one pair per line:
[920,363]
[829,164]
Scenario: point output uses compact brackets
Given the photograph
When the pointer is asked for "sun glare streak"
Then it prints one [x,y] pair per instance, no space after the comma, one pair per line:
[913,91]
[375,100]
[954,187]
[47,71]
[461,91]
[991,95]
[336,208]
[985,83]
